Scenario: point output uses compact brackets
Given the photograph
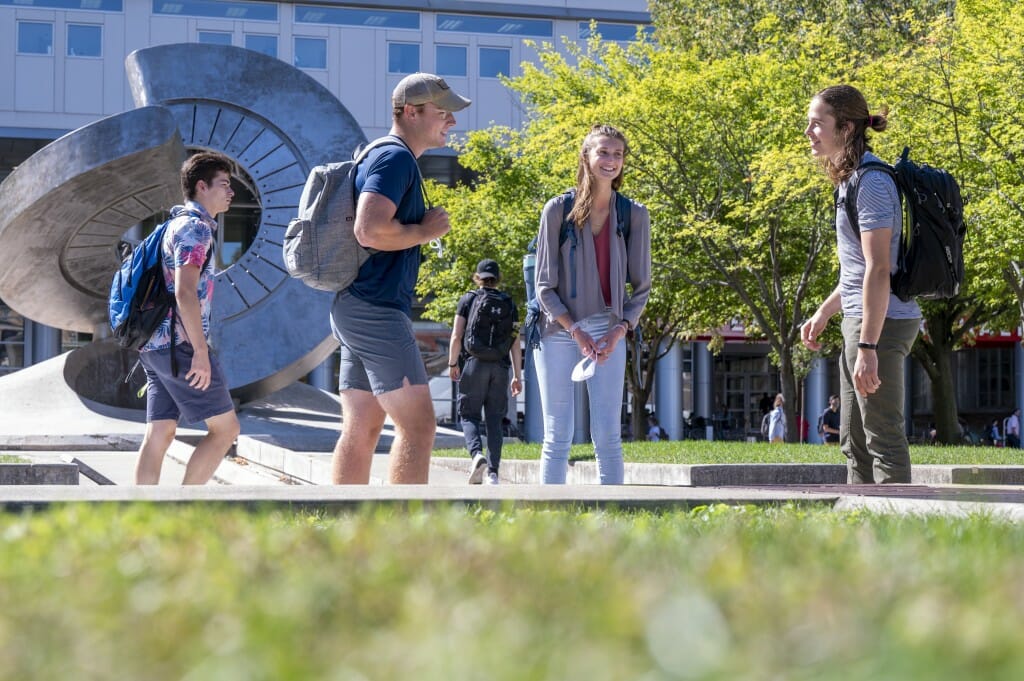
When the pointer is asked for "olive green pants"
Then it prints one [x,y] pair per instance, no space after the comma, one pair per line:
[872,433]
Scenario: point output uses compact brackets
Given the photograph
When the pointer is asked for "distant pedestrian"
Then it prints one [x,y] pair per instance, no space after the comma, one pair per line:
[777,421]
[830,421]
[654,430]
[484,344]
[1011,430]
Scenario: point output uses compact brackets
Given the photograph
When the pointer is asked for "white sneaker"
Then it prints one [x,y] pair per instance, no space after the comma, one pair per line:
[491,479]
[477,469]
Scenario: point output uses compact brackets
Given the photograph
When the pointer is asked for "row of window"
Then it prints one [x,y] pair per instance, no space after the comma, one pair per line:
[86,40]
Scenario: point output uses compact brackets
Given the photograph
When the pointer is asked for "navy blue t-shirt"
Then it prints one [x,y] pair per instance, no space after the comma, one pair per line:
[388,278]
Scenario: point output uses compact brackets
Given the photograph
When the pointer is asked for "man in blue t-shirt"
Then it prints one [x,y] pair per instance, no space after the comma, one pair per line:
[381,373]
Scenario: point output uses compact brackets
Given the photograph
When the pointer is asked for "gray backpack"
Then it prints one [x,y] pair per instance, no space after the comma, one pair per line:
[320,247]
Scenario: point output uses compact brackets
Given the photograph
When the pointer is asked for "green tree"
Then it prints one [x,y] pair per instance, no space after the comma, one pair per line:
[955,102]
[740,219]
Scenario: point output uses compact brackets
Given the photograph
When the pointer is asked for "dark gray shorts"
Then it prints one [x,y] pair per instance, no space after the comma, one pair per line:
[378,346]
[169,397]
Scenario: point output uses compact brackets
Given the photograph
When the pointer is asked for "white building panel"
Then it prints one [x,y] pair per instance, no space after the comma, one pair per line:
[34,83]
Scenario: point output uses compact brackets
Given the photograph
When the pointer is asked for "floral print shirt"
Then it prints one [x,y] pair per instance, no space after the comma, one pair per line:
[187,241]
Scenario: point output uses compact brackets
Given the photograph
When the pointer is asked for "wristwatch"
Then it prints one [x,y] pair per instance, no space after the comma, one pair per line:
[867,346]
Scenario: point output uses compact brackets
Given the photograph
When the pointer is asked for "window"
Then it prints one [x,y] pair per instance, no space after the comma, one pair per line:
[451,60]
[266,44]
[403,58]
[616,32]
[368,18]
[85,40]
[12,340]
[91,5]
[214,38]
[985,378]
[311,53]
[260,11]
[500,25]
[494,62]
[35,37]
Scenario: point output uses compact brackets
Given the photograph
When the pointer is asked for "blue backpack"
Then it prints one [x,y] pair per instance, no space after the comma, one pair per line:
[623,209]
[139,299]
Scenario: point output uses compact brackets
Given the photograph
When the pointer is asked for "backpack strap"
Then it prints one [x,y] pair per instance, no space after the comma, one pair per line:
[623,219]
[853,188]
[568,232]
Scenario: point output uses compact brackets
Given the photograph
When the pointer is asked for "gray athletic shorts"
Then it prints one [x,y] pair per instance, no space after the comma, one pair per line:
[378,347]
[170,397]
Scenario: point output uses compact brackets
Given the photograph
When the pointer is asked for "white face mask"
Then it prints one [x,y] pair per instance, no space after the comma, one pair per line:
[584,369]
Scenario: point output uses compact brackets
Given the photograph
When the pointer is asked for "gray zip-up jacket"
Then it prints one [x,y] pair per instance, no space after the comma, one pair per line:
[554,270]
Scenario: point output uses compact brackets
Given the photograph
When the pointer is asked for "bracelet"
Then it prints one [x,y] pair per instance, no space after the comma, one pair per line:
[624,325]
[867,346]
[572,329]
[452,366]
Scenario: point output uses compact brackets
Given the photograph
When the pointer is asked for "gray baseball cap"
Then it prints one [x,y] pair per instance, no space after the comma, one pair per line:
[420,88]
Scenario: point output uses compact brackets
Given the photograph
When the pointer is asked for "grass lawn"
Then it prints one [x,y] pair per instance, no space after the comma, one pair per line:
[204,592]
[701,451]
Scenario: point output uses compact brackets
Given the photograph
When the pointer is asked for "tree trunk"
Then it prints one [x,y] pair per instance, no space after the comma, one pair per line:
[787,377]
[936,356]
[640,393]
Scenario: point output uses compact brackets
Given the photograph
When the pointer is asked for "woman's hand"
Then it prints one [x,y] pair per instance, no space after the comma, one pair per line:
[606,344]
[585,342]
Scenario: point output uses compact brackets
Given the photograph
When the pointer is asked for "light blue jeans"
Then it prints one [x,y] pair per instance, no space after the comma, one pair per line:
[555,359]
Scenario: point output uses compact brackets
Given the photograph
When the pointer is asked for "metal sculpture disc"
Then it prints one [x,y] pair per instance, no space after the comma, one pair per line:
[275,121]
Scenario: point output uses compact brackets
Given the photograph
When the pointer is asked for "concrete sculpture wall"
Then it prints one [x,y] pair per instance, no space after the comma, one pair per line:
[63,211]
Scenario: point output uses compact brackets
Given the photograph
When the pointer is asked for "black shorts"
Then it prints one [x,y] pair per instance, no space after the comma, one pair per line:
[172,398]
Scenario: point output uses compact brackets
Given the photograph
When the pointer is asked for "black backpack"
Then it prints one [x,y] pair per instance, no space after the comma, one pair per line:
[623,212]
[490,325]
[930,264]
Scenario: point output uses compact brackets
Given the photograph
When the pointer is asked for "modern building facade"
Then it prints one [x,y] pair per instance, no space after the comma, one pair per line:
[63,65]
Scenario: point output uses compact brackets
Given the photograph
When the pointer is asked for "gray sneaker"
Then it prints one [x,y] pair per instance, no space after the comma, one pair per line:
[491,479]
[477,469]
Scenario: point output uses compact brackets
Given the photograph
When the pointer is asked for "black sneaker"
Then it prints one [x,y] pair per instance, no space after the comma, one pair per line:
[478,468]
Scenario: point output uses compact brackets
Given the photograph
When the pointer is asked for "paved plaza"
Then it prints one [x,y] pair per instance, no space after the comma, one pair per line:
[283,458]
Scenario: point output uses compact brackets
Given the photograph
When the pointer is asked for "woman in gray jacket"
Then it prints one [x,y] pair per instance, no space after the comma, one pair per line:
[581,282]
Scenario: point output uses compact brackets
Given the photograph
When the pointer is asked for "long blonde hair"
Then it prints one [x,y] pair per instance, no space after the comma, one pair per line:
[849,106]
[585,180]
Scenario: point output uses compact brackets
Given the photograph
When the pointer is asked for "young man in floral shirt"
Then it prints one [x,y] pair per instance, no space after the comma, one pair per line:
[185,380]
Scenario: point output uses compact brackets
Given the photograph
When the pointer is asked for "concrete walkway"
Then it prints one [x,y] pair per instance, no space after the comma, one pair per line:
[283,458]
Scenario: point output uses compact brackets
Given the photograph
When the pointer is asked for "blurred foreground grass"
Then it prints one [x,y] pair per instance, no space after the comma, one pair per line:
[701,451]
[207,592]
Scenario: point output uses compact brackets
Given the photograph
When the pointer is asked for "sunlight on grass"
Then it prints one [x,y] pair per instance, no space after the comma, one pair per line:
[703,452]
[206,592]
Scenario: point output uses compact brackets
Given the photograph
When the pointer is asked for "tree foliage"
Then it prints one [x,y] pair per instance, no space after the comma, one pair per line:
[741,217]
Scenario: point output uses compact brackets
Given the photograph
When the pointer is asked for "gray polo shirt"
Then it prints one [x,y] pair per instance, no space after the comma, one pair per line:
[878,207]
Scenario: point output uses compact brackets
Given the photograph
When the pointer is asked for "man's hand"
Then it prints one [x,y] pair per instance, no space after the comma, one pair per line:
[865,372]
[811,331]
[435,223]
[200,373]
[517,386]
